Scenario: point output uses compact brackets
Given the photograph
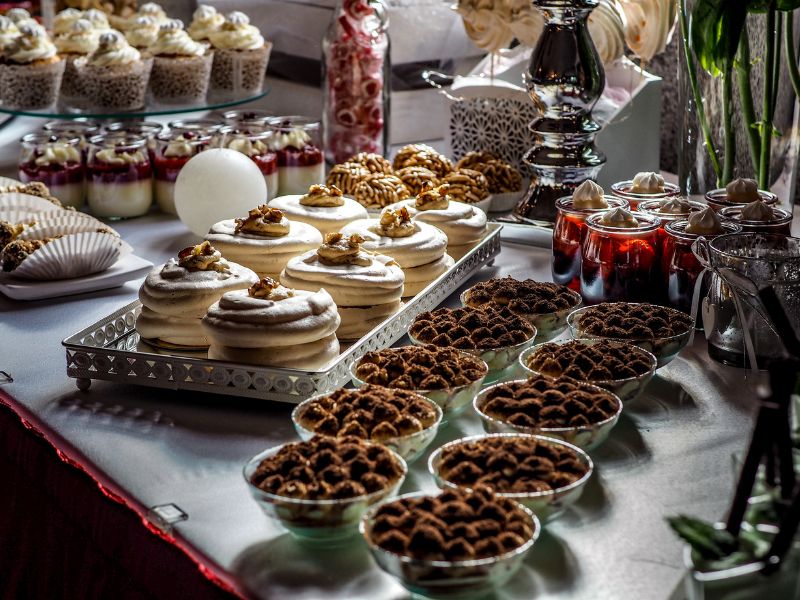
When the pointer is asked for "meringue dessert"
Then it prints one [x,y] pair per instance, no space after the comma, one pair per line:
[647,182]
[176,295]
[589,195]
[463,224]
[366,287]
[704,222]
[264,241]
[757,210]
[417,247]
[323,207]
[618,217]
[271,325]
[742,191]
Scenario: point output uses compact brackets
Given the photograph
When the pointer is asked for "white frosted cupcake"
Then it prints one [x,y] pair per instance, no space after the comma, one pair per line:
[322,207]
[241,57]
[148,9]
[366,287]
[80,40]
[115,75]
[143,32]
[98,19]
[264,241]
[417,247]
[65,19]
[205,21]
[31,70]
[271,325]
[464,224]
[181,66]
[176,295]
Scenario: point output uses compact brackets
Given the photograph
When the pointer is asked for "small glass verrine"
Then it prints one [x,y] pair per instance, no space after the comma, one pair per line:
[55,160]
[620,263]
[255,143]
[780,224]
[622,189]
[718,199]
[119,176]
[173,151]
[301,162]
[568,232]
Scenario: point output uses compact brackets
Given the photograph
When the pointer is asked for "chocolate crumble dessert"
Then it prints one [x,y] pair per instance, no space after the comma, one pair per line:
[543,402]
[419,368]
[634,321]
[325,468]
[603,361]
[522,297]
[371,412]
[485,328]
[455,525]
[510,464]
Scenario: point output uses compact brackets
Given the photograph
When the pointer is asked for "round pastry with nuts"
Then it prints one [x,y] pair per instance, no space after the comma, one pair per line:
[417,247]
[505,182]
[324,207]
[422,155]
[366,287]
[545,305]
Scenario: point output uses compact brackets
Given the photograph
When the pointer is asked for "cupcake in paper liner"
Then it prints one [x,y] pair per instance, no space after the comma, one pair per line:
[15,201]
[115,76]
[80,40]
[31,70]
[65,257]
[54,224]
[143,32]
[181,66]
[240,58]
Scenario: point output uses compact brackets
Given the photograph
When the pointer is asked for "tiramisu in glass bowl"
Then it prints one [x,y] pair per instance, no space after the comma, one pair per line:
[57,162]
[118,176]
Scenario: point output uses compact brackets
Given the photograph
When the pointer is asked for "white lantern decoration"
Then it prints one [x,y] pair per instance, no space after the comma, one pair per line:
[215,185]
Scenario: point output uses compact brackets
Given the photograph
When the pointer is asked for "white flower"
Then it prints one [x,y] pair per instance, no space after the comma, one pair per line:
[649,25]
[608,30]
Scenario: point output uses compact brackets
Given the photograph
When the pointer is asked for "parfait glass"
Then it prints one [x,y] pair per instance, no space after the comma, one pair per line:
[622,189]
[255,142]
[297,142]
[781,224]
[119,176]
[173,151]
[718,199]
[568,233]
[56,161]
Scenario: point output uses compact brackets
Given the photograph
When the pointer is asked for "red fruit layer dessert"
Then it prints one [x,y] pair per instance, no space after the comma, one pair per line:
[172,152]
[55,162]
[301,163]
[118,177]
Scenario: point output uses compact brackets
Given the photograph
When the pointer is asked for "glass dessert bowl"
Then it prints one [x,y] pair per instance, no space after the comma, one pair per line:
[645,186]
[297,141]
[324,520]
[438,577]
[568,233]
[173,151]
[408,446]
[547,502]
[738,193]
[604,325]
[118,176]
[776,220]
[638,365]
[55,160]
[255,143]
[502,412]
[452,394]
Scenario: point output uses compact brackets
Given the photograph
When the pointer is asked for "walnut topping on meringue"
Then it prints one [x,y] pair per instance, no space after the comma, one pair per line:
[269,289]
[433,198]
[396,223]
[338,250]
[265,221]
[203,257]
[323,195]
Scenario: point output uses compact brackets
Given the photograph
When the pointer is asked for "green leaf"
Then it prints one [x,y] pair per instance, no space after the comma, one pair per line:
[714,29]
[787,5]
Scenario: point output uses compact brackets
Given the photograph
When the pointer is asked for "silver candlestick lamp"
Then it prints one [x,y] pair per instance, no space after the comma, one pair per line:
[564,80]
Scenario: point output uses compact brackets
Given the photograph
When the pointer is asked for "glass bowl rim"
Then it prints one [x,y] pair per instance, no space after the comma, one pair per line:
[275,498]
[451,390]
[136,127]
[677,228]
[411,436]
[582,455]
[127,139]
[694,205]
[619,188]
[295,122]
[579,333]
[653,224]
[47,137]
[651,358]
[751,258]
[417,342]
[564,204]
[718,194]
[575,295]
[474,562]
[728,213]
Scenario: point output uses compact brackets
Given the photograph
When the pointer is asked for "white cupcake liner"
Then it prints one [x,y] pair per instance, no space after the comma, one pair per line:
[73,256]
[27,203]
[506,202]
[63,224]
[8,182]
[20,216]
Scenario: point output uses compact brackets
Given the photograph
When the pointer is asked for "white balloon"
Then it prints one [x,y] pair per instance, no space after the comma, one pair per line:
[215,185]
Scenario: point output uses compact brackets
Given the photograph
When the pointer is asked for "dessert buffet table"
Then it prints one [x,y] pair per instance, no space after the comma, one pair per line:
[670,453]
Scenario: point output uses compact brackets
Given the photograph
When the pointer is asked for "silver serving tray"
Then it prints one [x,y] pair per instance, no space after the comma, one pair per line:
[111,349]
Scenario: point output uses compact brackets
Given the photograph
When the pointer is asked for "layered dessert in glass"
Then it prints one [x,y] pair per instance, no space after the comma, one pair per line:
[619,257]
[255,143]
[738,193]
[679,266]
[298,144]
[173,151]
[759,217]
[570,228]
[118,176]
[646,185]
[80,128]
[56,161]
[147,129]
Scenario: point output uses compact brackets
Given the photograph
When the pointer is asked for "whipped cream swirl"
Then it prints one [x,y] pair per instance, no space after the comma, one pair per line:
[589,195]
[757,210]
[81,38]
[619,217]
[113,50]
[205,21]
[174,41]
[647,182]
[704,222]
[236,33]
[742,191]
[31,45]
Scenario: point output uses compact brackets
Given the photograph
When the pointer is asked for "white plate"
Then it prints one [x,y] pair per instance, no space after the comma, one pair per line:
[126,269]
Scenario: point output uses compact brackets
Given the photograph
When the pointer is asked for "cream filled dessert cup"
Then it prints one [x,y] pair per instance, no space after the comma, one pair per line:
[115,76]
[30,70]
[181,66]
[463,224]
[176,295]
[240,58]
[323,207]
[366,287]
[118,176]
[173,150]
[419,248]
[264,241]
[645,185]
[80,40]
[55,161]
[274,326]
[297,141]
[252,140]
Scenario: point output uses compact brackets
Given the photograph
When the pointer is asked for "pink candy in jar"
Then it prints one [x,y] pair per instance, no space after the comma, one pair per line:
[356,81]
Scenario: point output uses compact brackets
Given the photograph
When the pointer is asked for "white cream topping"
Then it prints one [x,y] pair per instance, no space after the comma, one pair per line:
[246,145]
[8,31]
[704,222]
[205,21]
[236,33]
[82,38]
[64,20]
[296,138]
[619,217]
[151,9]
[58,153]
[423,243]
[31,45]
[97,18]
[675,206]
[173,40]
[589,195]
[647,182]
[113,50]
[180,147]
[757,211]
[742,191]
[143,32]
[111,156]
[18,15]
[608,31]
